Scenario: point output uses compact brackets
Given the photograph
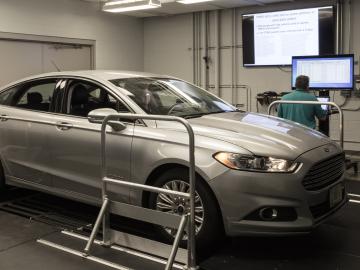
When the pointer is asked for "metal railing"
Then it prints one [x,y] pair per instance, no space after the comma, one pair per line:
[188,218]
[332,104]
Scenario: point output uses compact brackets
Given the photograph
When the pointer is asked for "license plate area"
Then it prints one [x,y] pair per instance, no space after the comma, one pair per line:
[336,195]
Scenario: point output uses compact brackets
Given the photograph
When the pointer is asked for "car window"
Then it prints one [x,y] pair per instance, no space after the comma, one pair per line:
[6,96]
[35,96]
[167,96]
[96,93]
[164,96]
[83,97]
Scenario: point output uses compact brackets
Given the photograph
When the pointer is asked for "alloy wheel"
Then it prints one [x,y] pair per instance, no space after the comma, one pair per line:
[180,206]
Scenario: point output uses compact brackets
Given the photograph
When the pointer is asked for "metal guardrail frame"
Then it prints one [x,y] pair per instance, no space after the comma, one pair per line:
[341,114]
[185,219]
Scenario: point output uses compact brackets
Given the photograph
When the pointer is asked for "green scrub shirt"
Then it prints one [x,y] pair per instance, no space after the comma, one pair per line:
[301,113]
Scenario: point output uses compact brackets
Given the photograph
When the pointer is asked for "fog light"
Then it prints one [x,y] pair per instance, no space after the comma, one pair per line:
[273,213]
[268,214]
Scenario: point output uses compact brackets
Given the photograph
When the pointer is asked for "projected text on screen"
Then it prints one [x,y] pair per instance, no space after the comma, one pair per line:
[280,35]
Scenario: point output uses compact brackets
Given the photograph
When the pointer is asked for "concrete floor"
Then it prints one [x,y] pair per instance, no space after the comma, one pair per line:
[19,249]
[335,245]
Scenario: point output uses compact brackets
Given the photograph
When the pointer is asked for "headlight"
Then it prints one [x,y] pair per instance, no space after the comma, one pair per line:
[255,163]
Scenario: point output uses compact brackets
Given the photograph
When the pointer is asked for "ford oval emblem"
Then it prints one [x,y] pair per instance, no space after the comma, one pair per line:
[327,150]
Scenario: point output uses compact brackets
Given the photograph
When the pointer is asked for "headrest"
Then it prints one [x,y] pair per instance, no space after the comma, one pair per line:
[153,87]
[80,95]
[34,98]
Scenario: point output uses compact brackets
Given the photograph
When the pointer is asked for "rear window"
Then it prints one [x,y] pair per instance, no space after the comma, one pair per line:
[36,96]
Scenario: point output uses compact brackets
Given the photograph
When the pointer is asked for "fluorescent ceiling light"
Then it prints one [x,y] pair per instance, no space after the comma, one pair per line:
[130,5]
[192,1]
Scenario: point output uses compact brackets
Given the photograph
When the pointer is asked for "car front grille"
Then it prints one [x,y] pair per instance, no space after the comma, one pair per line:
[325,172]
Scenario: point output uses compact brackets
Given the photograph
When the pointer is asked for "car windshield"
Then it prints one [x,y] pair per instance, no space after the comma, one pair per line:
[172,97]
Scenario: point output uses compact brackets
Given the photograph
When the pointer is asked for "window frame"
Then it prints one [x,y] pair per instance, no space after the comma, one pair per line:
[58,97]
[22,87]
[12,88]
[66,97]
[138,122]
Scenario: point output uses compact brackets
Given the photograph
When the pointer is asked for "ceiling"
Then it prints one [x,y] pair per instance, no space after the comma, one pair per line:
[170,7]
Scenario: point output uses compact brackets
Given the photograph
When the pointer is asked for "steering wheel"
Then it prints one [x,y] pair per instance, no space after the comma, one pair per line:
[172,108]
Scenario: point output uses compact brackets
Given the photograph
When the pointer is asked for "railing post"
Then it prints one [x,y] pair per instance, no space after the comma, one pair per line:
[183,222]
[106,216]
[102,212]
[191,224]
[192,180]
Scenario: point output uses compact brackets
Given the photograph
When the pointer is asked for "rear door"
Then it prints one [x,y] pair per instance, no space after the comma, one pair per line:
[75,142]
[26,112]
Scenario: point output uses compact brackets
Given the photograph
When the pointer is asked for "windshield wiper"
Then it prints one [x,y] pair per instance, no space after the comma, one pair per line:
[239,110]
[195,115]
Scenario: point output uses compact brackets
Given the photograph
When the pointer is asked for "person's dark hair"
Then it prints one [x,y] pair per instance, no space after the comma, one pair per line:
[302,82]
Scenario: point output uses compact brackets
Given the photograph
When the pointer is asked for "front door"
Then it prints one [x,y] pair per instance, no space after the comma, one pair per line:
[75,143]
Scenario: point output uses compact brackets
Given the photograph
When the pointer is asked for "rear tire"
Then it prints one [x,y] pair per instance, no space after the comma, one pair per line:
[209,230]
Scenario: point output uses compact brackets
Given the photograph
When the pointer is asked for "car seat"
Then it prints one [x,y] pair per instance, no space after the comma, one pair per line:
[79,101]
[34,102]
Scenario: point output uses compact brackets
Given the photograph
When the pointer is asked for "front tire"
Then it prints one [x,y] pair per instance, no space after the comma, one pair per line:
[207,217]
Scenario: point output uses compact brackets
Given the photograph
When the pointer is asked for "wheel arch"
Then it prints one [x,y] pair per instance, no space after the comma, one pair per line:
[156,172]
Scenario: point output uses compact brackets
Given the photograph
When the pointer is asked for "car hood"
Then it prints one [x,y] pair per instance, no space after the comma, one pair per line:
[260,134]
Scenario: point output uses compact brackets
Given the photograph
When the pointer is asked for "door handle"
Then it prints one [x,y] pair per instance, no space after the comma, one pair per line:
[4,117]
[63,125]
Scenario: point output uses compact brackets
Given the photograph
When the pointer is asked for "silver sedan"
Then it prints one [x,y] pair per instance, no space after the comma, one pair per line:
[256,174]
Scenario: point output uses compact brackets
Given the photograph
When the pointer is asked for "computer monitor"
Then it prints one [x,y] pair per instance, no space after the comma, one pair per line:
[324,99]
[335,72]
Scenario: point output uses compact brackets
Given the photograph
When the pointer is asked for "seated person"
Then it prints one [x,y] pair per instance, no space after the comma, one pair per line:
[302,113]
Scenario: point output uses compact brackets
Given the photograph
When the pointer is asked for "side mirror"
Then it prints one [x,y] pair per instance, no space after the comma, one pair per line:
[97,117]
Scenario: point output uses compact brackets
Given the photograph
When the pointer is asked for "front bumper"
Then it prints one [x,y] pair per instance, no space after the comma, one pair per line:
[241,193]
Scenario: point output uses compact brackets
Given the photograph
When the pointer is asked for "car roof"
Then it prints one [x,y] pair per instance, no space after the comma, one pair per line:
[93,74]
[104,74]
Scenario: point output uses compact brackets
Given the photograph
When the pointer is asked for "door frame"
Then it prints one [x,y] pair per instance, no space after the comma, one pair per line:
[53,40]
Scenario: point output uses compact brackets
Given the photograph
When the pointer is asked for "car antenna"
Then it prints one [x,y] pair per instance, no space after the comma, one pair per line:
[57,68]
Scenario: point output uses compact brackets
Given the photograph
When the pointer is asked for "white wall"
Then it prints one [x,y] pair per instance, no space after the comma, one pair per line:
[167,47]
[119,39]
[352,106]
[177,59]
